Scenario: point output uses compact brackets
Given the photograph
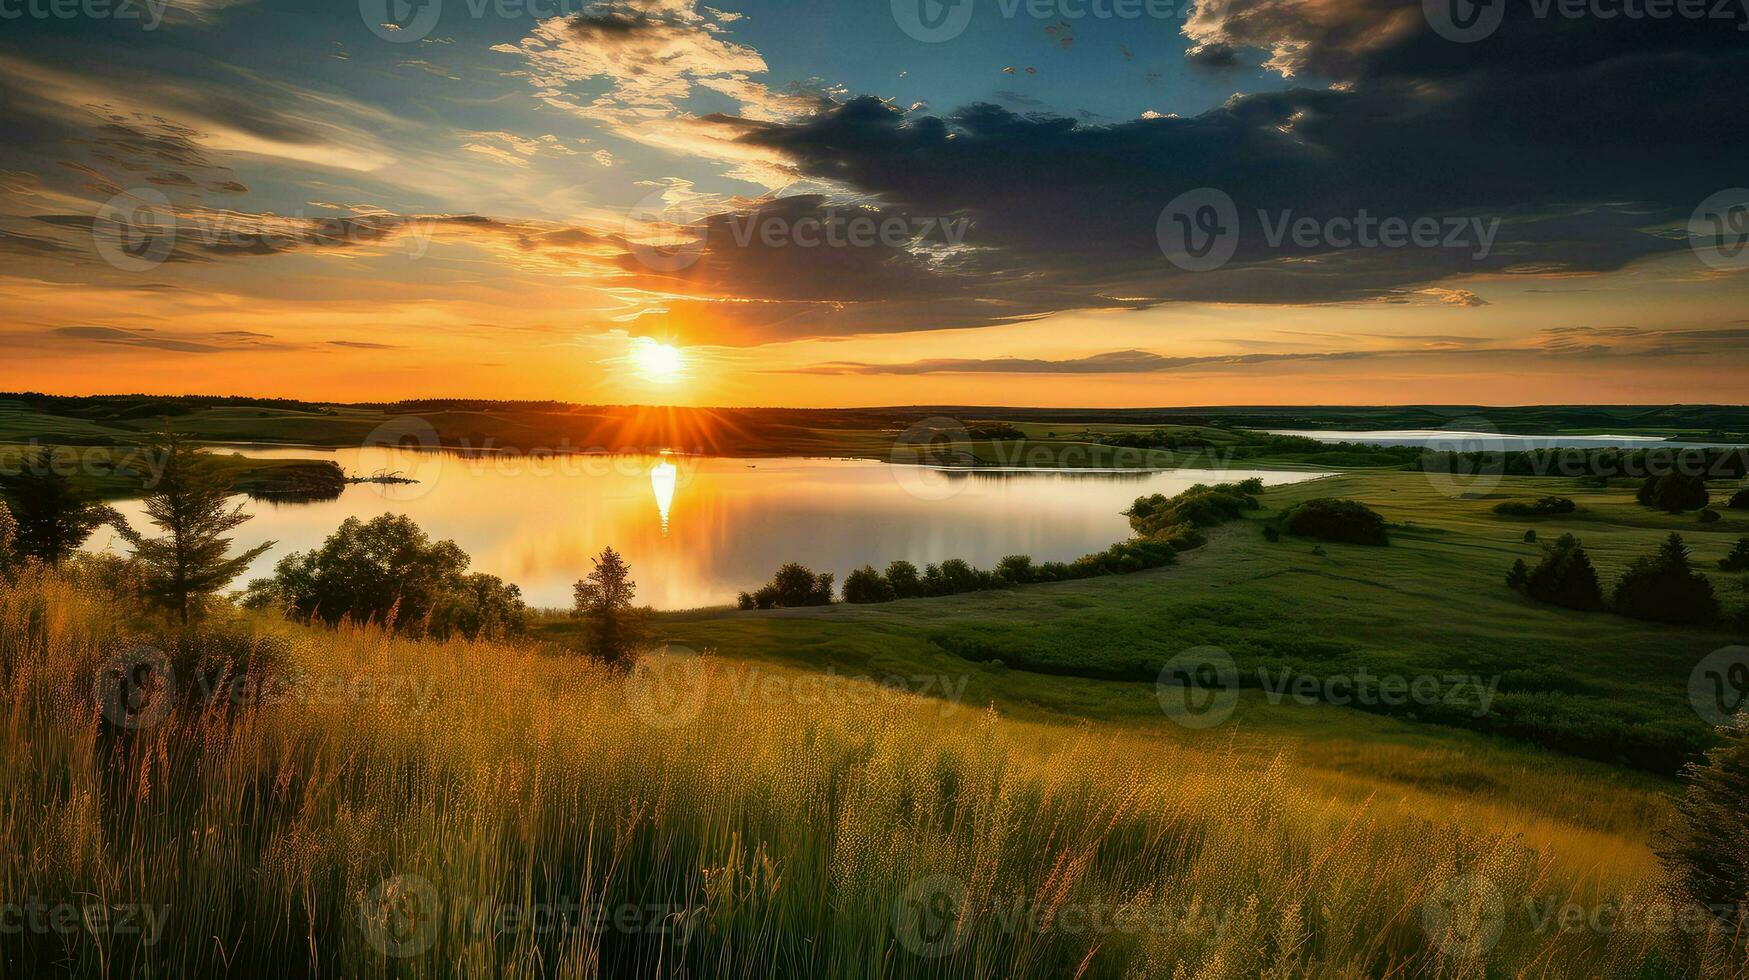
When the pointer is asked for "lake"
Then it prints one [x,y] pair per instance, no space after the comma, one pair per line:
[698,530]
[1453,440]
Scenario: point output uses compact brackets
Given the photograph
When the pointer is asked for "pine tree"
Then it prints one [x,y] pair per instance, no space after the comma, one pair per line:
[1708,848]
[51,515]
[1738,559]
[1663,588]
[190,502]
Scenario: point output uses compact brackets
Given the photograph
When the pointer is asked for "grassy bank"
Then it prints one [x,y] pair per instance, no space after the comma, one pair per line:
[712,821]
[1433,603]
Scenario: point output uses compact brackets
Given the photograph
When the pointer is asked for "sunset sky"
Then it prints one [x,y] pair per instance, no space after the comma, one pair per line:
[375,199]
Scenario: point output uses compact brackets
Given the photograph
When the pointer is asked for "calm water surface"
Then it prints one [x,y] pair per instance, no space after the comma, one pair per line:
[698,530]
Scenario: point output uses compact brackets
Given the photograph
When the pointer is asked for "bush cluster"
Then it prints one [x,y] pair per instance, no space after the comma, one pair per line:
[1177,520]
[387,570]
[1540,507]
[794,585]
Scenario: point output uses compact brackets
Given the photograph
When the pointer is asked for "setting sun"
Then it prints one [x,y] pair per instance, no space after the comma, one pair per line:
[657,362]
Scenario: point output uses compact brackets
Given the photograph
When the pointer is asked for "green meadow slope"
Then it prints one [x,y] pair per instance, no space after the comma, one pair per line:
[1432,603]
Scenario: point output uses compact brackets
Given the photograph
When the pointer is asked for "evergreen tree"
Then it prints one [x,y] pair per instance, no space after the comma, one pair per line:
[190,503]
[1517,578]
[1738,559]
[1708,849]
[1565,577]
[1663,588]
[51,515]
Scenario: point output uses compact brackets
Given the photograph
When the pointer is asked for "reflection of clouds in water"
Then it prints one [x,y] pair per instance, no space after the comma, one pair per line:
[721,525]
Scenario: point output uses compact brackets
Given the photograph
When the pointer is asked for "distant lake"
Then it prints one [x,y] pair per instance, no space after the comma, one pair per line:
[1457,441]
[697,530]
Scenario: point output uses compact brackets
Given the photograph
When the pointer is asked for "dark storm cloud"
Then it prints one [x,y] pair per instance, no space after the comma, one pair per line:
[1587,142]
[1560,342]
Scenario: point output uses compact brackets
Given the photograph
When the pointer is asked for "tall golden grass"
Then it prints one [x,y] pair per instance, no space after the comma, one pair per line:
[517,812]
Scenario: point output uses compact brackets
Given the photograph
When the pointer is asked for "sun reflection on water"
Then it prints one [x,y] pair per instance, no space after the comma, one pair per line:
[662,484]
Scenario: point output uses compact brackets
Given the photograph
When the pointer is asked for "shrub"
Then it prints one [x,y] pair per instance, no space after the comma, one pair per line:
[1135,555]
[866,585]
[1705,850]
[1673,492]
[1270,534]
[794,585]
[1738,559]
[1740,500]
[1519,576]
[1328,519]
[1664,589]
[1176,518]
[1710,516]
[1541,507]
[1530,536]
[953,577]
[1565,577]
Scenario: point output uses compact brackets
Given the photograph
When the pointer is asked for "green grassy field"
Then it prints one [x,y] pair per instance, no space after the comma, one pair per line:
[1432,603]
[405,808]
